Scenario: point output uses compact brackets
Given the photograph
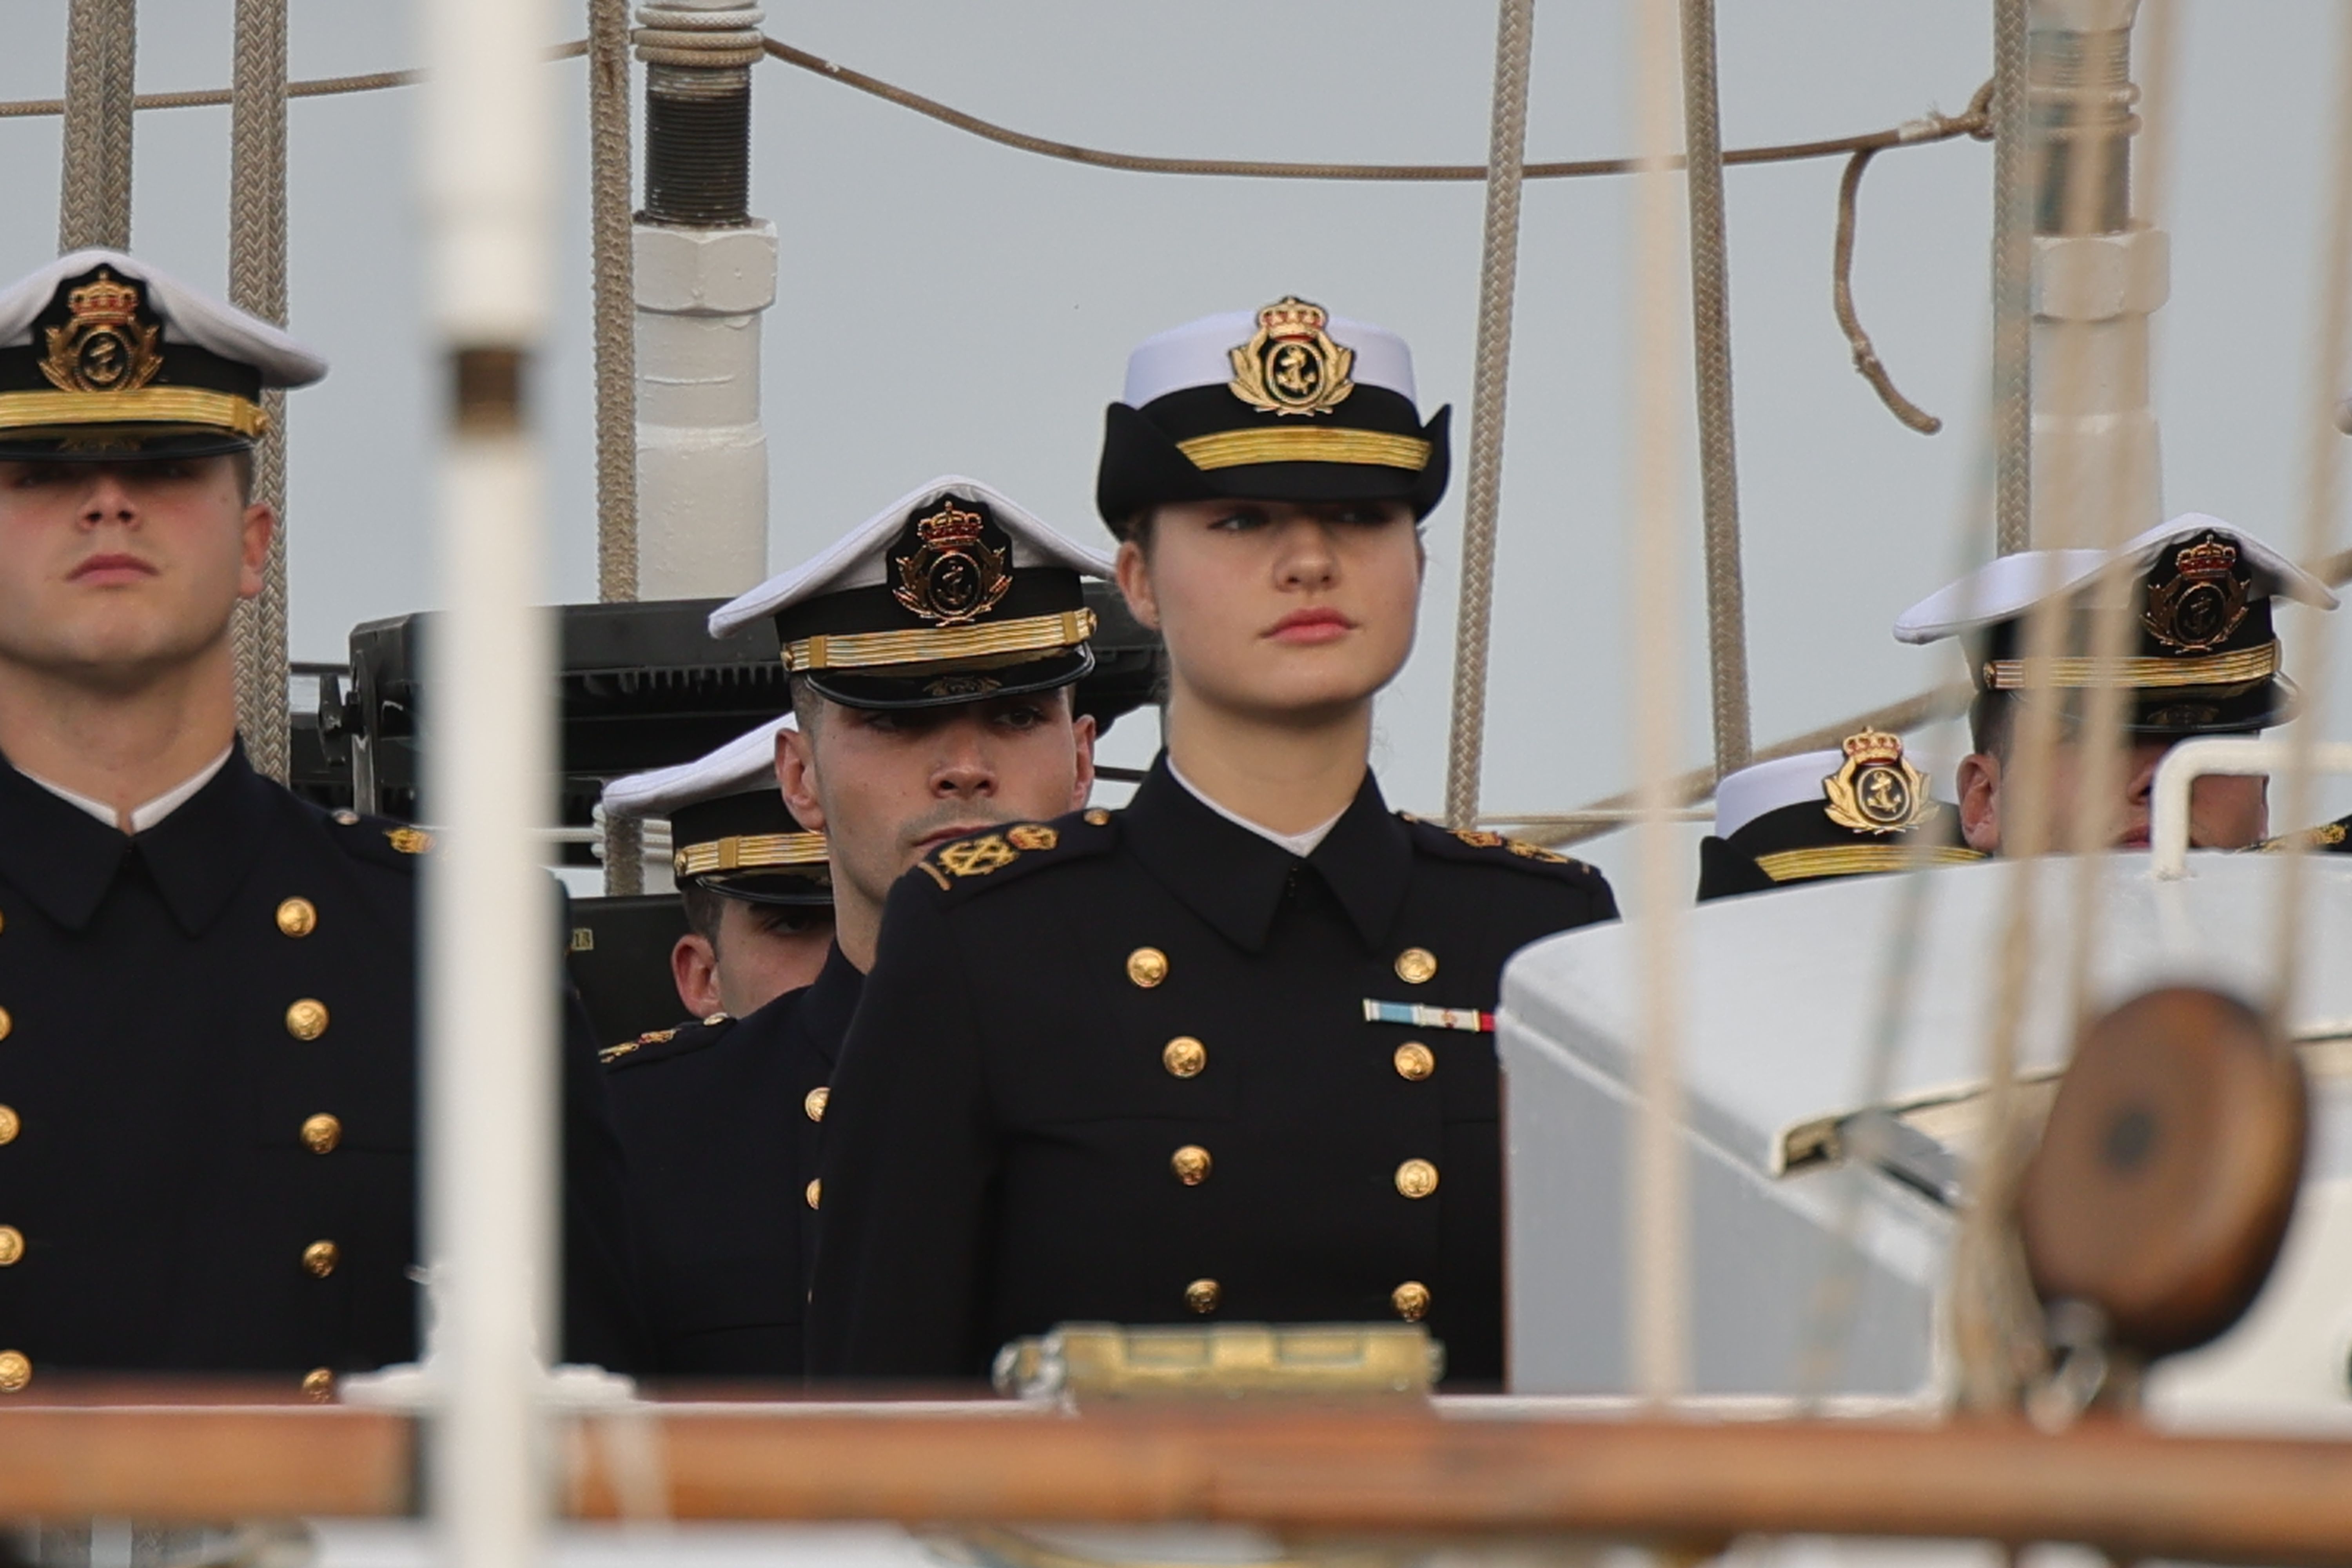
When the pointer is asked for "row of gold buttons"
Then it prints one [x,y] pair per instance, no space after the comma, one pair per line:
[1148,966]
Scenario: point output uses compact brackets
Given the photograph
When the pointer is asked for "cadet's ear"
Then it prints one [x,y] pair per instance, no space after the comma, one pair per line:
[694,969]
[1979,787]
[1134,578]
[1082,783]
[796,778]
[259,522]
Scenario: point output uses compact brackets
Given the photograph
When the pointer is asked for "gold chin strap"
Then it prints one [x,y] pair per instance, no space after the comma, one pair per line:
[1855,859]
[140,406]
[1306,444]
[749,852]
[866,651]
[2243,667]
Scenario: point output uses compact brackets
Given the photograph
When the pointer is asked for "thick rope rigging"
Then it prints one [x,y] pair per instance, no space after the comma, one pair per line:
[101,59]
[1499,271]
[2012,285]
[612,276]
[256,282]
[1718,459]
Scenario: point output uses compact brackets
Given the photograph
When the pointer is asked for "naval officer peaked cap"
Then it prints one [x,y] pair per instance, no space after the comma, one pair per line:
[2204,657]
[953,593]
[1862,808]
[729,830]
[1287,403]
[106,358]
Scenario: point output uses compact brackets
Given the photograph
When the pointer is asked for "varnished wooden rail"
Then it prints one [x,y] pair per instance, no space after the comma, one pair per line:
[1389,1468]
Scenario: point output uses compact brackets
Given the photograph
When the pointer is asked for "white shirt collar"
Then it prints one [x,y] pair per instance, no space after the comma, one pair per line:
[1299,844]
[145,817]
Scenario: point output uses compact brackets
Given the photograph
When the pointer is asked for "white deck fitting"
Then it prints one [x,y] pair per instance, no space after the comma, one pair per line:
[703,453]
[1779,1007]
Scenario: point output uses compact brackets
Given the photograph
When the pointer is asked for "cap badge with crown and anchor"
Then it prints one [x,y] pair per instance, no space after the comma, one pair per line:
[1877,790]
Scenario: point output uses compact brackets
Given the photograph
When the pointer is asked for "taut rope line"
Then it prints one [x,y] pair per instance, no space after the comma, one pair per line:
[256,282]
[101,58]
[612,273]
[1499,272]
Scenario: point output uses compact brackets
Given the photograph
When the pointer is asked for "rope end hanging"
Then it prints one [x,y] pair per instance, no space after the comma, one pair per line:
[1866,356]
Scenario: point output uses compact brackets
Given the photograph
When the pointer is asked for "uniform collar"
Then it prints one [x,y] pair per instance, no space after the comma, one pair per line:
[65,860]
[1234,879]
[826,1005]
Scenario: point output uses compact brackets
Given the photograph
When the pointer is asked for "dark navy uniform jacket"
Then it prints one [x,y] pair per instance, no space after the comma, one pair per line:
[718,1126]
[1119,1068]
[208,1061]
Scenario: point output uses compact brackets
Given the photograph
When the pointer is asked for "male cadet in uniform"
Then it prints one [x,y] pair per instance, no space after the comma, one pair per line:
[932,653]
[1861,809]
[207,1010]
[1227,1054]
[2203,659]
[757,891]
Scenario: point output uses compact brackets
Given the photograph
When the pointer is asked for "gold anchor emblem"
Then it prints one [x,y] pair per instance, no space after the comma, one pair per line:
[1291,365]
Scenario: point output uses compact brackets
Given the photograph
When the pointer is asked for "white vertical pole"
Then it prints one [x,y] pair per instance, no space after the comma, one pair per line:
[490,949]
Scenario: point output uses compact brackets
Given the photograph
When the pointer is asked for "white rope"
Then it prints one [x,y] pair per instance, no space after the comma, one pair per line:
[2323,493]
[617,372]
[1498,275]
[1657,1302]
[94,191]
[256,282]
[1727,614]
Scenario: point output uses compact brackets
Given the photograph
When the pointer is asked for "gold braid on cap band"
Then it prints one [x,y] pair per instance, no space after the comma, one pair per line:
[1306,444]
[2142,674]
[929,644]
[1855,859]
[140,406]
[749,852]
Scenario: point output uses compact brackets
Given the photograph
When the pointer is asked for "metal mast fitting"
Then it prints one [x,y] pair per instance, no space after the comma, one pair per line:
[2097,277]
[704,271]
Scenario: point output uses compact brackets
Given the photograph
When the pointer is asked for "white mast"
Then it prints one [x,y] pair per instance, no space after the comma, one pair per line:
[705,271]
[490,942]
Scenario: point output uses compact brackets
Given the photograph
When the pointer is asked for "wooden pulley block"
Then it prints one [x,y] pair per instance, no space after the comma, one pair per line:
[2167,1170]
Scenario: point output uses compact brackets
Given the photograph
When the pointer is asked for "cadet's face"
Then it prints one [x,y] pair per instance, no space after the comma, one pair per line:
[2225,811]
[886,786]
[109,570]
[1279,610]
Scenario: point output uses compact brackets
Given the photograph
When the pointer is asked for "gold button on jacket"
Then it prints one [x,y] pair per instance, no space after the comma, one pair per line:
[322,1132]
[15,1372]
[1416,1178]
[1184,1056]
[1191,1164]
[1416,966]
[12,1245]
[10,1124]
[298,917]
[1147,966]
[318,1385]
[1410,1300]
[307,1019]
[1202,1295]
[319,1258]
[1414,1061]
[814,1193]
[814,1102]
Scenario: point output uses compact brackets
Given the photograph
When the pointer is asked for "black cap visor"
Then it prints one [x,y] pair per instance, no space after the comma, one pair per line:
[1143,466]
[806,886]
[120,444]
[897,687]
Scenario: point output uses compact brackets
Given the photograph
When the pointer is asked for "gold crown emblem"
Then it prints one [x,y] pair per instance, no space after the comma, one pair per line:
[2203,604]
[104,302]
[1877,791]
[102,347]
[1290,366]
[949,525]
[2206,558]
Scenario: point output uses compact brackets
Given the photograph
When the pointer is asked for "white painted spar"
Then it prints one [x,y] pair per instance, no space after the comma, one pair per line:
[1780,1001]
[490,965]
[702,451]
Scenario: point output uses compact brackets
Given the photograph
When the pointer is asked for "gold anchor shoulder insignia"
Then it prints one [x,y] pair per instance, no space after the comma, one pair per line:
[408,840]
[2204,602]
[1526,850]
[1478,838]
[1877,790]
[954,575]
[1290,366]
[977,857]
[103,345]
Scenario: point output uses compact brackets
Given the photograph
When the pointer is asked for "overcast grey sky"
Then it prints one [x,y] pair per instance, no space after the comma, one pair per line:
[950,305]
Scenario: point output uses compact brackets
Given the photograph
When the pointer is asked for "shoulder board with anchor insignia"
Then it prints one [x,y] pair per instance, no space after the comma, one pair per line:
[1494,849]
[1004,854]
[2327,838]
[660,1045]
